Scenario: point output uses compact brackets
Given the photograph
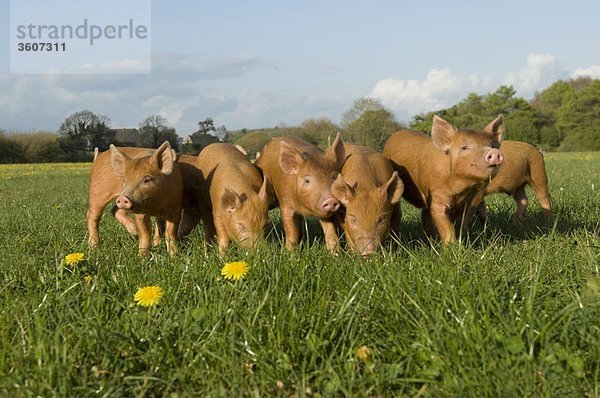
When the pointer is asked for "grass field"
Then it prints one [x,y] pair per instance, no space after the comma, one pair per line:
[513,311]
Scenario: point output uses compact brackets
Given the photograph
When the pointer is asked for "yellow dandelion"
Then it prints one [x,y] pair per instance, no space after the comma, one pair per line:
[88,279]
[74,258]
[235,270]
[148,296]
[363,353]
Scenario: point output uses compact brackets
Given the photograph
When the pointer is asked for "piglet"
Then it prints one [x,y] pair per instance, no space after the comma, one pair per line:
[234,201]
[104,186]
[148,183]
[302,174]
[370,192]
[443,173]
[523,165]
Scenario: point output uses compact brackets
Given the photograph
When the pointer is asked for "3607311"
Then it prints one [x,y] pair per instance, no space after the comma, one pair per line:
[42,46]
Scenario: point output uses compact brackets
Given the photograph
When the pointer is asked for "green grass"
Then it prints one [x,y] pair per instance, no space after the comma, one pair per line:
[511,311]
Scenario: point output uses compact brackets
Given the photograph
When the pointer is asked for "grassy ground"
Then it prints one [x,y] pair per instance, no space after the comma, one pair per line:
[512,311]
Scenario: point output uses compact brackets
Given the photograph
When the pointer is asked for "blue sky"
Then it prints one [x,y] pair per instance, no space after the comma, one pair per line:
[264,63]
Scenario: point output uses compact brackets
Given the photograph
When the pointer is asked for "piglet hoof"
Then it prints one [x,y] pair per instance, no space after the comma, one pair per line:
[334,250]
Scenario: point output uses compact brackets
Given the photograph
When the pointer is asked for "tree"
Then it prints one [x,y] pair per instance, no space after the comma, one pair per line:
[476,111]
[154,131]
[547,102]
[253,141]
[373,128]
[578,118]
[563,116]
[520,116]
[359,107]
[319,131]
[39,147]
[222,133]
[206,125]
[522,125]
[546,105]
[369,123]
[566,112]
[81,132]
[581,82]
[10,151]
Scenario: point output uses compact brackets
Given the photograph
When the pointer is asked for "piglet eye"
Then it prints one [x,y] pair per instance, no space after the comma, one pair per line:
[306,180]
[147,179]
[464,147]
[381,221]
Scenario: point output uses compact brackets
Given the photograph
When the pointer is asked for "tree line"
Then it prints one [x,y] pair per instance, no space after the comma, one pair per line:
[82,131]
[563,117]
[367,123]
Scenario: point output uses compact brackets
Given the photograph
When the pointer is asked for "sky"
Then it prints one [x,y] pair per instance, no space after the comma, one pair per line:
[253,64]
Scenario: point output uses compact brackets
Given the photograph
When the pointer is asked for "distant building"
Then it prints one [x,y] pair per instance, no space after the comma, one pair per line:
[199,140]
[126,137]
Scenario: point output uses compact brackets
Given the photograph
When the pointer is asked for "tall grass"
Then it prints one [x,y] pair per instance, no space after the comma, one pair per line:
[513,310]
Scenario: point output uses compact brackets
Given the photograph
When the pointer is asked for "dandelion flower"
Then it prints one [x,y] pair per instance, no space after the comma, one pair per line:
[363,353]
[148,296]
[235,270]
[88,279]
[74,258]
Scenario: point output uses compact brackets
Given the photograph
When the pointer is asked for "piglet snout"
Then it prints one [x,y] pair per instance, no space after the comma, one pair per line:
[123,202]
[367,247]
[494,157]
[330,205]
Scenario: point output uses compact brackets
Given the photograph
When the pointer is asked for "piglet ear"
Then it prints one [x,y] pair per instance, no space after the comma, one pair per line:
[241,149]
[230,201]
[342,191]
[394,188]
[442,133]
[290,159]
[337,152]
[118,160]
[496,129]
[164,158]
[265,189]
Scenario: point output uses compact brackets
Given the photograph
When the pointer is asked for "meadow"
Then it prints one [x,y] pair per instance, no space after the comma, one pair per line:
[511,310]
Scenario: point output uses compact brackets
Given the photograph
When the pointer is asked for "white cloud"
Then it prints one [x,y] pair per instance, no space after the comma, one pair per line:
[206,68]
[540,72]
[186,89]
[591,71]
[119,66]
[269,108]
[172,113]
[440,89]
[177,83]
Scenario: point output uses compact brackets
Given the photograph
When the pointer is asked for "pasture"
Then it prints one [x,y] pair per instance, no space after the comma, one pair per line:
[514,310]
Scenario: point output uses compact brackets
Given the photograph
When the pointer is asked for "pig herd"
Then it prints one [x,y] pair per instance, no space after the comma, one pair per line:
[350,189]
